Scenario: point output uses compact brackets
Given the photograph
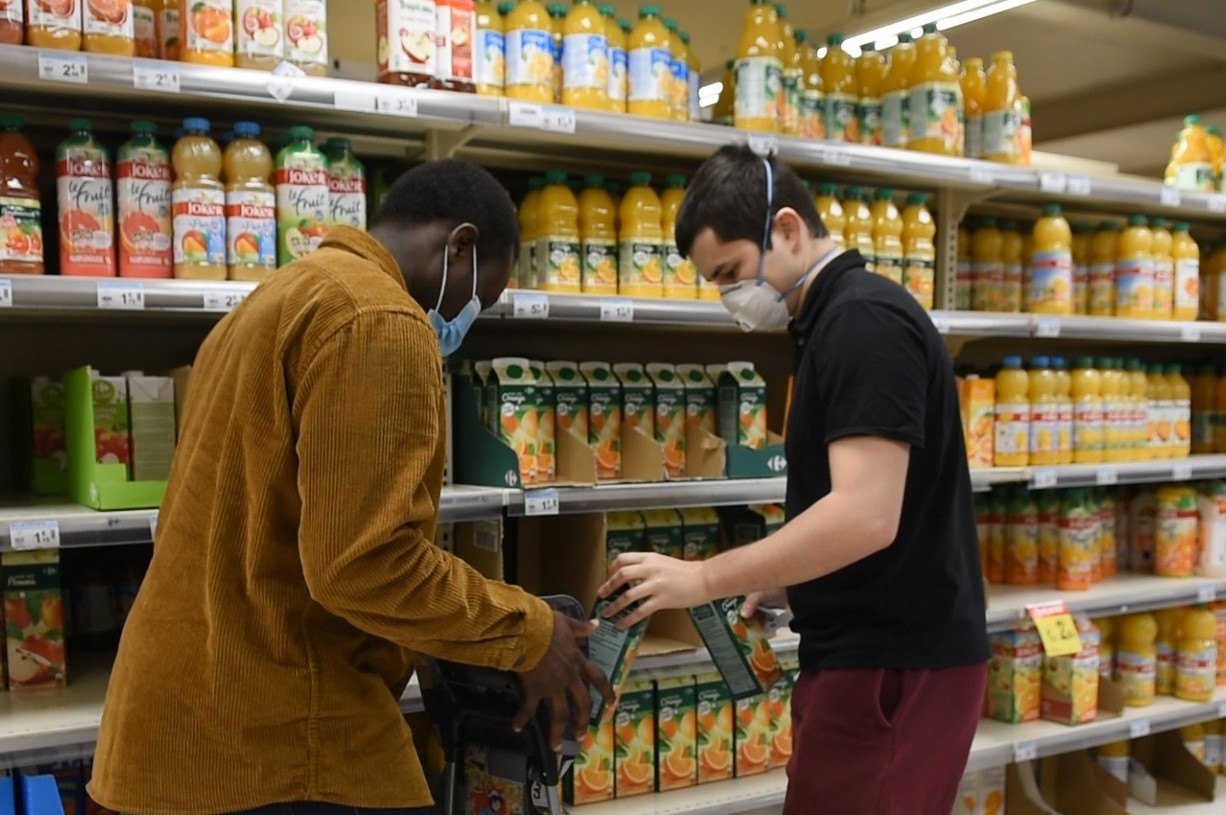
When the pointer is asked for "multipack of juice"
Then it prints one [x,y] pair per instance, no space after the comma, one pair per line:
[1015,675]
[1070,683]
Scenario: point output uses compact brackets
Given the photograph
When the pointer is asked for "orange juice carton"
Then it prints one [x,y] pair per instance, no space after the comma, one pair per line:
[570,395]
[546,424]
[739,647]
[755,522]
[613,651]
[1070,684]
[714,371]
[151,409]
[670,416]
[753,734]
[742,406]
[591,779]
[1015,676]
[605,418]
[979,420]
[33,619]
[638,398]
[715,733]
[982,793]
[112,436]
[779,700]
[512,399]
[700,534]
[624,532]
[663,533]
[700,404]
[634,731]
[485,788]
[676,734]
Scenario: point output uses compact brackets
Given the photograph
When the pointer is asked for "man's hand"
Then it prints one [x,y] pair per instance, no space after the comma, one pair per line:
[775,598]
[561,678]
[655,582]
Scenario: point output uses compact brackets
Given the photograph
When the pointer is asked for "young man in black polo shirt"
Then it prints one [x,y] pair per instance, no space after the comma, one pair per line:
[879,556]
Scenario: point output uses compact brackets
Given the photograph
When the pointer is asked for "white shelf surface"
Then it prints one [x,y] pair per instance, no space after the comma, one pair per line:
[752,795]
[611,497]
[1216,807]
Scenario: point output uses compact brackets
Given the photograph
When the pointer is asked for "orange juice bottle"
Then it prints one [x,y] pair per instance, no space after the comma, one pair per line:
[526,277]
[791,53]
[680,276]
[1210,283]
[964,274]
[1168,620]
[1136,659]
[1134,270]
[598,235]
[679,79]
[1001,124]
[1103,254]
[1064,407]
[919,254]
[831,212]
[168,29]
[1139,392]
[53,25]
[1161,406]
[585,58]
[1050,287]
[641,233]
[871,71]
[198,203]
[306,36]
[619,60]
[1012,415]
[143,195]
[693,81]
[259,34]
[557,227]
[1191,166]
[1203,386]
[145,28]
[1044,413]
[1088,431]
[840,87]
[1083,239]
[974,96]
[86,208]
[251,205]
[206,33]
[1164,270]
[529,57]
[759,70]
[858,231]
[722,112]
[651,66]
[1116,394]
[1078,542]
[1011,256]
[22,252]
[1217,150]
[988,267]
[557,20]
[812,97]
[896,94]
[490,51]
[1181,412]
[1196,656]
[1186,255]
[887,229]
[936,97]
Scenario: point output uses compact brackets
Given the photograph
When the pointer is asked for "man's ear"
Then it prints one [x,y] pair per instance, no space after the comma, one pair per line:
[462,240]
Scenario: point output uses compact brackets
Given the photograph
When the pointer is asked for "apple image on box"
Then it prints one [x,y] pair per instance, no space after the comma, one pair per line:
[418,45]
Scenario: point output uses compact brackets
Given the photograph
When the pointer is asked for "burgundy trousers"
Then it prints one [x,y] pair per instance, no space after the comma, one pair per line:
[882,742]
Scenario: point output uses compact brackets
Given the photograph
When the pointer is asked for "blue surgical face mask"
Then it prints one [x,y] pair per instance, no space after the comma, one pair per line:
[451,332]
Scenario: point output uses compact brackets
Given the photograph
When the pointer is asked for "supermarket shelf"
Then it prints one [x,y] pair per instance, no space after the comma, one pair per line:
[610,497]
[1120,329]
[1193,468]
[752,795]
[522,304]
[1216,807]
[38,721]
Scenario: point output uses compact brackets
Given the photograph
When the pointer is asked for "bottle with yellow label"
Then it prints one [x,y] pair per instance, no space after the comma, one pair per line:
[641,233]
[918,250]
[1136,659]
[1196,656]
[557,243]
[598,237]
[841,92]
[792,57]
[831,212]
[1049,288]
[1116,394]
[858,227]
[490,51]
[1164,269]
[529,53]
[1064,408]
[723,111]
[1083,238]
[887,236]
[1186,255]
[1160,408]
[1191,166]
[871,71]
[812,97]
[1012,415]
[557,22]
[1137,386]
[1088,432]
[1001,123]
[1103,253]
[1168,634]
[1134,270]
[1044,413]
[1181,411]
[896,94]
[651,66]
[619,60]
[988,267]
[759,70]
[974,95]
[936,97]
[585,58]
[680,276]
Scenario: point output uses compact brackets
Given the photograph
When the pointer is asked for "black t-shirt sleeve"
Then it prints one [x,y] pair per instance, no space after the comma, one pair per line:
[872,369]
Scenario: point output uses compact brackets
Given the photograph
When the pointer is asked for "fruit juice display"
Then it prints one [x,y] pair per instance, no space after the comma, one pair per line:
[1191,166]
[988,267]
[1015,676]
[1134,270]
[529,210]
[641,236]
[546,423]
[1106,647]
[700,405]
[306,35]
[1044,413]
[406,48]
[490,51]
[919,254]
[693,81]
[1115,759]
[455,30]
[1177,533]
[638,398]
[206,33]
[759,70]
[12,32]
[557,21]
[649,51]
[1168,635]
[20,208]
[887,227]
[1104,251]
[812,95]
[679,76]
[831,212]
[1196,656]
[34,620]
[1139,391]
[1048,503]
[935,109]
[1001,124]
[1079,533]
[670,416]
[53,25]
[1088,432]
[792,81]
[619,61]
[558,236]
[598,237]
[570,398]
[1064,410]
[974,83]
[1070,684]
[858,225]
[168,29]
[995,523]
[753,726]
[840,114]
[1181,412]
[1160,410]
[1050,286]
[346,184]
[871,71]
[304,201]
[978,419]
[591,781]
[86,208]
[259,35]
[715,731]
[529,53]
[1164,270]
[1012,447]
[676,733]
[742,406]
[1021,538]
[143,195]
[680,274]
[1186,255]
[108,27]
[1012,256]
[1082,240]
[251,205]
[585,58]
[605,418]
[896,94]
[144,28]
[513,407]
[1203,385]
[1115,410]
[635,741]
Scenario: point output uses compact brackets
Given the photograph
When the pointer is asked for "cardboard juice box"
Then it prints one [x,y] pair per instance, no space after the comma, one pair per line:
[753,734]
[112,439]
[1070,684]
[779,701]
[570,396]
[1015,676]
[739,647]
[701,407]
[700,533]
[591,780]
[50,466]
[634,730]
[663,532]
[742,406]
[670,418]
[676,733]
[982,793]
[486,787]
[755,522]
[613,651]
[715,732]
[512,399]
[151,408]
[624,532]
[33,619]
[546,424]
[638,398]
[979,420]
[605,418]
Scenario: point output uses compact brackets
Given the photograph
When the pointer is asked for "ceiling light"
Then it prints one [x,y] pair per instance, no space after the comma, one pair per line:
[956,20]
[946,17]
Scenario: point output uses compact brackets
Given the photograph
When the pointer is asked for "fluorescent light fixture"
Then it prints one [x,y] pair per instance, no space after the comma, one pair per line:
[971,16]
[708,95]
[946,17]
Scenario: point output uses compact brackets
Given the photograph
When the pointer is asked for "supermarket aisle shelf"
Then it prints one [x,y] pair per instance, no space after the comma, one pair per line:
[53,720]
[753,795]
[666,494]
[1216,807]
[1193,468]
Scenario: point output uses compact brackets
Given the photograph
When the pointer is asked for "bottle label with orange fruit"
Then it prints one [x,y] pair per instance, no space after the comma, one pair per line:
[168,33]
[599,266]
[144,180]
[759,85]
[560,263]
[208,28]
[199,226]
[680,274]
[251,227]
[641,268]
[21,220]
[936,112]
[869,112]
[34,620]
[842,117]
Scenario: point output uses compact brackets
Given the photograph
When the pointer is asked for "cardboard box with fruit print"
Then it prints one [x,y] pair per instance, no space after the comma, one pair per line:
[40,444]
[591,779]
[1015,676]
[715,729]
[676,734]
[779,701]
[634,731]
[739,647]
[33,620]
[753,450]
[753,736]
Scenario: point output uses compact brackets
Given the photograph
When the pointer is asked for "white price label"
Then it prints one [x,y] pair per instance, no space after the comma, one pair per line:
[1190,333]
[1047,327]
[6,294]
[763,144]
[941,322]
[1025,751]
[35,535]
[1079,185]
[524,114]
[224,299]
[1206,594]
[1053,182]
[1170,197]
[836,156]
[530,306]
[1043,479]
[981,175]
[1217,203]
[541,502]
[558,119]
[153,527]
[281,82]
[363,101]
[64,67]
[1181,472]
[155,76]
[1138,729]
[397,103]
[617,310]
[123,296]
[1221,710]
[1107,477]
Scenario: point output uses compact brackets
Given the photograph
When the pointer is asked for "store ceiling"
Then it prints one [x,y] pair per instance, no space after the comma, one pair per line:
[1110,80]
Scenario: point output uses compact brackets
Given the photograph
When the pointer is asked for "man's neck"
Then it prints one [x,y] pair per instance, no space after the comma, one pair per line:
[818,249]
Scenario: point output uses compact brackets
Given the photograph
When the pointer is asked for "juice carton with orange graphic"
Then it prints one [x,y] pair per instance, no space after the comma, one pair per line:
[485,790]
[1070,684]
[1015,676]
[700,403]
[33,619]
[979,420]
[663,533]
[546,424]
[624,532]
[982,792]
[742,406]
[715,732]
[700,534]
[570,394]
[779,701]
[591,779]
[638,399]
[753,735]
[613,651]
[676,734]
[635,739]
[512,399]
[670,416]
[739,647]
[605,418]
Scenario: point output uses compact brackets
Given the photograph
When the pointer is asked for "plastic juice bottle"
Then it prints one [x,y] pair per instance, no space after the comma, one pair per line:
[759,70]
[1186,255]
[1164,270]
[919,254]
[1108,509]
[598,233]
[1107,647]
[1044,413]
[558,235]
[1014,268]
[346,185]
[896,94]
[490,51]
[936,97]
[306,35]
[1064,409]
[871,71]
[53,25]
[988,267]
[1012,415]
[641,233]
[858,232]
[1168,634]
[529,209]
[1115,410]
[1217,147]
[693,81]
[1177,532]
[198,204]
[1078,542]
[168,29]
[1158,394]
[831,212]
[1021,539]
[1134,270]
[1088,431]
[144,28]
[812,98]
[791,52]
[585,58]
[964,274]
[557,21]
[722,112]
[87,215]
[996,537]
[251,205]
[1136,659]
[1191,166]
[1083,238]
[143,195]
[1138,390]
[206,33]
[680,276]
[1181,412]
[1103,253]
[651,60]
[1203,386]
[529,53]
[840,115]
[304,201]
[22,250]
[1050,287]
[887,228]
[974,97]
[259,34]
[619,61]
[1196,656]
[12,23]
[1001,124]
[679,84]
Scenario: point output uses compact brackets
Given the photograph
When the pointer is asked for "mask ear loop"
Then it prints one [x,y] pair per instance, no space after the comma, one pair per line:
[766,230]
[442,289]
[474,271]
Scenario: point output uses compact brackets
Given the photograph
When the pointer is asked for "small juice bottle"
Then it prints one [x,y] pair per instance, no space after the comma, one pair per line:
[936,97]
[304,200]
[1164,269]
[858,231]
[919,254]
[306,36]
[22,250]
[1083,239]
[346,184]
[679,79]
[791,53]
[812,96]
[198,202]
[896,94]
[887,236]
[1001,123]
[1204,385]
[1196,656]
[86,195]
[1191,166]
[585,58]
[1064,409]
[53,25]
[650,55]
[1168,635]
[490,51]
[144,28]
[1078,542]
[1051,281]
[1217,150]
[642,239]
[206,33]
[1138,389]
[529,210]
[1186,255]
[1158,394]
[1011,253]
[680,276]
[759,70]
[619,61]
[840,116]
[529,58]
[1044,413]
[831,212]
[558,235]
[1181,412]
[1134,270]
[1104,251]
[143,195]
[871,71]
[259,34]
[251,205]
[598,234]
[1176,532]
[1136,659]
[1088,431]
[557,21]
[1115,409]
[1021,538]
[168,29]
[974,96]
[1012,415]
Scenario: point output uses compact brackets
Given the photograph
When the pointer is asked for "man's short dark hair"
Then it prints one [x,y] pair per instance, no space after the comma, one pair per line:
[728,194]
[454,192]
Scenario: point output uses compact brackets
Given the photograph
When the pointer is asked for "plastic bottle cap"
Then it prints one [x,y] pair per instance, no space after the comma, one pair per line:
[1138,220]
[555,177]
[246,130]
[649,11]
[1052,211]
[196,124]
[1040,362]
[640,179]
[11,121]
[801,36]
[1154,370]
[594,180]
[1003,56]
[556,10]
[144,127]
[301,133]
[1180,226]
[835,40]
[1174,369]
[1106,363]
[537,182]
[1059,363]
[606,10]
[80,124]
[1157,223]
[827,188]
[781,10]
[676,181]
[1012,362]
[338,143]
[624,25]
[917,198]
[1214,130]
[884,194]
[1083,363]
[685,38]
[1193,120]
[853,192]
[905,39]
[505,8]
[671,24]
[930,28]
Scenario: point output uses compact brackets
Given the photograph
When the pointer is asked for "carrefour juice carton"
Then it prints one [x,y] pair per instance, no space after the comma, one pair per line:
[570,395]
[670,417]
[605,418]
[1070,684]
[739,647]
[613,651]
[512,399]
[982,793]
[676,733]
[779,702]
[754,523]
[1015,676]
[715,732]
[663,532]
[634,731]
[979,420]
[638,398]
[546,424]
[742,406]
[112,439]
[624,532]
[701,408]
[151,408]
[33,619]
[753,735]
[700,534]
[591,780]
[486,789]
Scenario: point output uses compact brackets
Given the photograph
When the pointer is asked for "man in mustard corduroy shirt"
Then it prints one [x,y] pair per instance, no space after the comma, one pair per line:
[295,573]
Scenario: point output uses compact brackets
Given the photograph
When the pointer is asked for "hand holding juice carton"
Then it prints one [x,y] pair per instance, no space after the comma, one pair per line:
[739,647]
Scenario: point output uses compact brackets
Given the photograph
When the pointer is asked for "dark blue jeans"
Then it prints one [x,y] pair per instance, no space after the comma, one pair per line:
[313,808]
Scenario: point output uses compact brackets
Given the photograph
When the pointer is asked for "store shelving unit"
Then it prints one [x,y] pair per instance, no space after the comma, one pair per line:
[1216,807]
